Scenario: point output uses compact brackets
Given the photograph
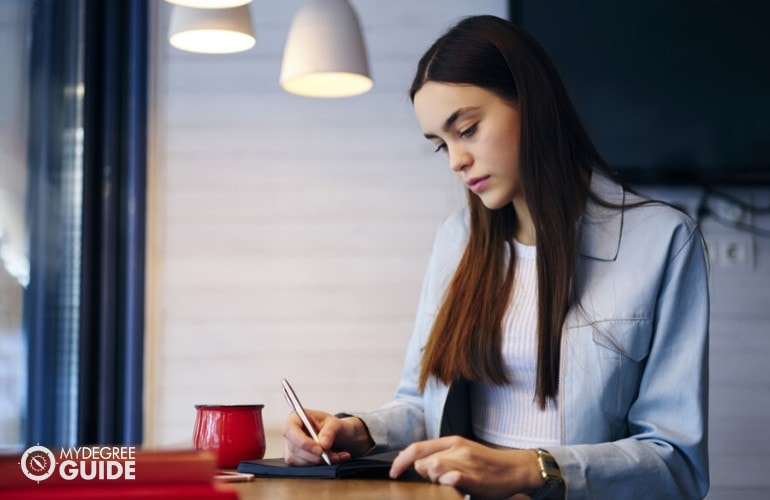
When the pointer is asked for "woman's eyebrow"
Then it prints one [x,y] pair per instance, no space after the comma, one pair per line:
[452,119]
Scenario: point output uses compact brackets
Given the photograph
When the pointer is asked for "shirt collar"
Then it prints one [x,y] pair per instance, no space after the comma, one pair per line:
[601,226]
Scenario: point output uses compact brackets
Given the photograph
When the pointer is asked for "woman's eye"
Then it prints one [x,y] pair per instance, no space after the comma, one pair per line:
[440,147]
[468,132]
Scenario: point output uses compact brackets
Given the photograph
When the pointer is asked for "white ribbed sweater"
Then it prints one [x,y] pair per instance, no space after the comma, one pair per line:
[507,415]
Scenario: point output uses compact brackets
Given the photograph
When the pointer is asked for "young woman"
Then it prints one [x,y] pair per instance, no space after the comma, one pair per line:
[561,341]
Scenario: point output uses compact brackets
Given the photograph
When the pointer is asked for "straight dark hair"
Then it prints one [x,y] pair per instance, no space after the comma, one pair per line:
[556,161]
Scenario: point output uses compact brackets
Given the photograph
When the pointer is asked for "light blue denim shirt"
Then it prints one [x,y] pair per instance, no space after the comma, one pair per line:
[634,368]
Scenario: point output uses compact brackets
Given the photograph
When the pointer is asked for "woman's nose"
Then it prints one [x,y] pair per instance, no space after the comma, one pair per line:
[459,158]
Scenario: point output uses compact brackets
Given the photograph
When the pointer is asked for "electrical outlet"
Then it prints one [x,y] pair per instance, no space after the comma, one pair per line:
[736,252]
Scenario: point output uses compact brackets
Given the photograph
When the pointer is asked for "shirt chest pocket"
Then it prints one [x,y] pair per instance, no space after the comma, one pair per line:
[612,355]
[630,338]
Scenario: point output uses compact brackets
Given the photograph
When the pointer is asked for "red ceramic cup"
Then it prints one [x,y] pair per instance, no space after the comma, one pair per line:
[234,432]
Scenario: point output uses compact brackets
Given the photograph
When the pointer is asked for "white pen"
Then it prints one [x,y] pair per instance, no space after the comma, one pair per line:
[291,398]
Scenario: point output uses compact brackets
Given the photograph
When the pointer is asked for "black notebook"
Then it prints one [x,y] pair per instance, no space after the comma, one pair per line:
[374,466]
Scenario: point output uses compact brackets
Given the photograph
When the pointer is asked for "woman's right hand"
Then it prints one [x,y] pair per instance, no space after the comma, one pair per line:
[339,437]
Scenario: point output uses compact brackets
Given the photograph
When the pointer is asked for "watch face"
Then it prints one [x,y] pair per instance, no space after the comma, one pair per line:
[38,463]
[549,469]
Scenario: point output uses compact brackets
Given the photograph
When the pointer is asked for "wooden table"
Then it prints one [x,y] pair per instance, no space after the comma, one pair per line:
[301,488]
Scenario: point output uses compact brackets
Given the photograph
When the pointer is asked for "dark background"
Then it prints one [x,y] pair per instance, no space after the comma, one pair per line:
[672,92]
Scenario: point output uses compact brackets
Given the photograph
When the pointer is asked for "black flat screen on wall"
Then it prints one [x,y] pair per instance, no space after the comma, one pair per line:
[671,91]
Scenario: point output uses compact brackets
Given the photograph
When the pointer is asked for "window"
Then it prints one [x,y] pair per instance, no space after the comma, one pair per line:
[73,92]
[14,247]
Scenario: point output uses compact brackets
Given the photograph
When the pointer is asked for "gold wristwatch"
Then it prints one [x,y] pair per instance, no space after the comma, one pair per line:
[551,473]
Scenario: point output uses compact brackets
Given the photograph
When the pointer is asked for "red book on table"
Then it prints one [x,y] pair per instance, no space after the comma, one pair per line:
[155,475]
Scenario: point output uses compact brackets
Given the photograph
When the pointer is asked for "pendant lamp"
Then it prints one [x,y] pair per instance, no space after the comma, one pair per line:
[325,54]
[211,30]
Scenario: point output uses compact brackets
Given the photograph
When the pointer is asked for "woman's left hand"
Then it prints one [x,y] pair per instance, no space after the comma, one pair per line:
[471,467]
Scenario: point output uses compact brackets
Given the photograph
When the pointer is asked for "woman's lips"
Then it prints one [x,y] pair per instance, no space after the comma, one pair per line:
[477,184]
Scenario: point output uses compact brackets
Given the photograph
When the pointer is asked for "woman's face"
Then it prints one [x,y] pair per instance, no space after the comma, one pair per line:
[479,132]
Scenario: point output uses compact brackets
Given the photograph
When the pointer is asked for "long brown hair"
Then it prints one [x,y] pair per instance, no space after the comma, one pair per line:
[556,158]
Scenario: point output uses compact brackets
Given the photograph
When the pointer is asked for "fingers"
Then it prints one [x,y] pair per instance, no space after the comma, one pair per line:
[299,447]
[327,433]
[422,456]
[327,427]
[299,456]
[293,455]
[432,467]
[471,467]
[451,478]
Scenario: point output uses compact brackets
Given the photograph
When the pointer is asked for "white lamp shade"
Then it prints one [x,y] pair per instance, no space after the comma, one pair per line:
[212,31]
[325,54]
[209,4]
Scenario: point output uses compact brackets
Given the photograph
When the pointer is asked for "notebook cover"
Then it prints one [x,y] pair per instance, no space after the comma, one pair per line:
[374,466]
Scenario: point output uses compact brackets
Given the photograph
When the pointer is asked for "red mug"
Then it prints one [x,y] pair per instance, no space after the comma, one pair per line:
[234,432]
